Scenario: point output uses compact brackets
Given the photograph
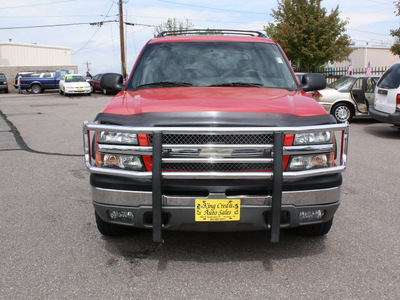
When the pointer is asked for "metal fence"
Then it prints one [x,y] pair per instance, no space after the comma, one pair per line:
[331,74]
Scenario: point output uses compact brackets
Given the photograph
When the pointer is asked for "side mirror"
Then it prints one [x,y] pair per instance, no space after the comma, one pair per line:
[313,82]
[112,82]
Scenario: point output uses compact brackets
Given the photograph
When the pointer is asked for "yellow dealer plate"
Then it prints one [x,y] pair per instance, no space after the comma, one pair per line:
[80,90]
[217,210]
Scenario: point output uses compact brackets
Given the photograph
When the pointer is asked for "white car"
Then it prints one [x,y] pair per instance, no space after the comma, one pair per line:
[387,97]
[75,84]
[348,96]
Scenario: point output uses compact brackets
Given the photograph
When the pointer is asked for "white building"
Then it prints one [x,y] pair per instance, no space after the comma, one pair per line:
[19,54]
[377,56]
[20,57]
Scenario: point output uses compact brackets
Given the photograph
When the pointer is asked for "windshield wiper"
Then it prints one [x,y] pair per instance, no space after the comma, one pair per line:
[164,84]
[239,84]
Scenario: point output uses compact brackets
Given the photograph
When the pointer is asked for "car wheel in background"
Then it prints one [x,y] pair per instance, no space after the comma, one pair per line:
[342,112]
[6,91]
[36,89]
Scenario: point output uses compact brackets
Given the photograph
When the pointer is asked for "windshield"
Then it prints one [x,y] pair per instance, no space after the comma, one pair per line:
[343,84]
[244,64]
[2,77]
[75,79]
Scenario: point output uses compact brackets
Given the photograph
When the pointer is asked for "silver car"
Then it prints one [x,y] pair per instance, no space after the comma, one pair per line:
[348,96]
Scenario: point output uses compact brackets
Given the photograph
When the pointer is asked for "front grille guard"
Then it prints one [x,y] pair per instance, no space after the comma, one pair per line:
[278,149]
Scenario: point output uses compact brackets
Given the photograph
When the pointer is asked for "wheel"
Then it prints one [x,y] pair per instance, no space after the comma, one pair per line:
[6,91]
[36,89]
[342,112]
[109,229]
[315,229]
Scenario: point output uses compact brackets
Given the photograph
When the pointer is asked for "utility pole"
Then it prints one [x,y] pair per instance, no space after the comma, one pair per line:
[87,66]
[121,37]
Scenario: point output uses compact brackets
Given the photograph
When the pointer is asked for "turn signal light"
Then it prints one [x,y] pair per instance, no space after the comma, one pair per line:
[316,94]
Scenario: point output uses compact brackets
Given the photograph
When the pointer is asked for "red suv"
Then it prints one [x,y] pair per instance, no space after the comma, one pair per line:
[213,132]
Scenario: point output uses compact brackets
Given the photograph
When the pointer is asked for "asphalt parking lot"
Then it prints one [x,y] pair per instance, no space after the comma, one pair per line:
[50,246]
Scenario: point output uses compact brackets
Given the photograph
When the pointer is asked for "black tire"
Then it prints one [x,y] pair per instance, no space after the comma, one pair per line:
[342,112]
[36,89]
[6,91]
[315,229]
[109,229]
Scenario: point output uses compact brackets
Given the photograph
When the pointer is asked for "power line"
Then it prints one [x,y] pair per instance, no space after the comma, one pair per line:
[44,26]
[47,16]
[99,25]
[37,4]
[214,8]
[74,24]
[370,32]
[381,2]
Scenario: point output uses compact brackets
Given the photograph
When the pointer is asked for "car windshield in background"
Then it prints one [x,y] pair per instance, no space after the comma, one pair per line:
[75,79]
[391,78]
[343,84]
[2,77]
[207,64]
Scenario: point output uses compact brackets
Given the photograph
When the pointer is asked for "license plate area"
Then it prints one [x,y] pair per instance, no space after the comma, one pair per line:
[80,90]
[217,210]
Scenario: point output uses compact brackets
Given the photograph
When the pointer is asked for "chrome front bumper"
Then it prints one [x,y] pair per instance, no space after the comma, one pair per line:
[179,212]
[139,198]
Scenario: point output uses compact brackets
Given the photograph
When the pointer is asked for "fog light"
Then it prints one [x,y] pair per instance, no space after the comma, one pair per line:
[121,216]
[311,215]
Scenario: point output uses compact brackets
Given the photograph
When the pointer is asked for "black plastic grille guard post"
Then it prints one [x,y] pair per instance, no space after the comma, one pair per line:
[157,187]
[277,187]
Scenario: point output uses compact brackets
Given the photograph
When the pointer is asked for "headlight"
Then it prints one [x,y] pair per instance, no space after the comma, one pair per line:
[306,162]
[129,162]
[322,137]
[118,138]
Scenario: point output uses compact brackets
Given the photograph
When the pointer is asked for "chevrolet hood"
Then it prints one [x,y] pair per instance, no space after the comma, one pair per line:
[222,99]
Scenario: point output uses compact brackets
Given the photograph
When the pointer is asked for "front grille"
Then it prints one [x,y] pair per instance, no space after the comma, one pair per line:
[217,139]
[221,167]
[203,139]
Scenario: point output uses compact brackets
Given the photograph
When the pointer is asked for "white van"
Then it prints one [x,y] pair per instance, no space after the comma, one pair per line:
[387,97]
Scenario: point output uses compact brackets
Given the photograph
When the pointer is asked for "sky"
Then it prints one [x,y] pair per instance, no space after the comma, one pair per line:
[98,47]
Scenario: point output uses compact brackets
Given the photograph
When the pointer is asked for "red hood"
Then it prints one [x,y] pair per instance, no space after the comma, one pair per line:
[227,99]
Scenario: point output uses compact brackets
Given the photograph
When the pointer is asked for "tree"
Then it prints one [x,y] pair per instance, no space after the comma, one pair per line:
[309,36]
[173,24]
[395,49]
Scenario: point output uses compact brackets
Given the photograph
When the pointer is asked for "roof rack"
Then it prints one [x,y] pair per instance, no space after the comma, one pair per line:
[211,32]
